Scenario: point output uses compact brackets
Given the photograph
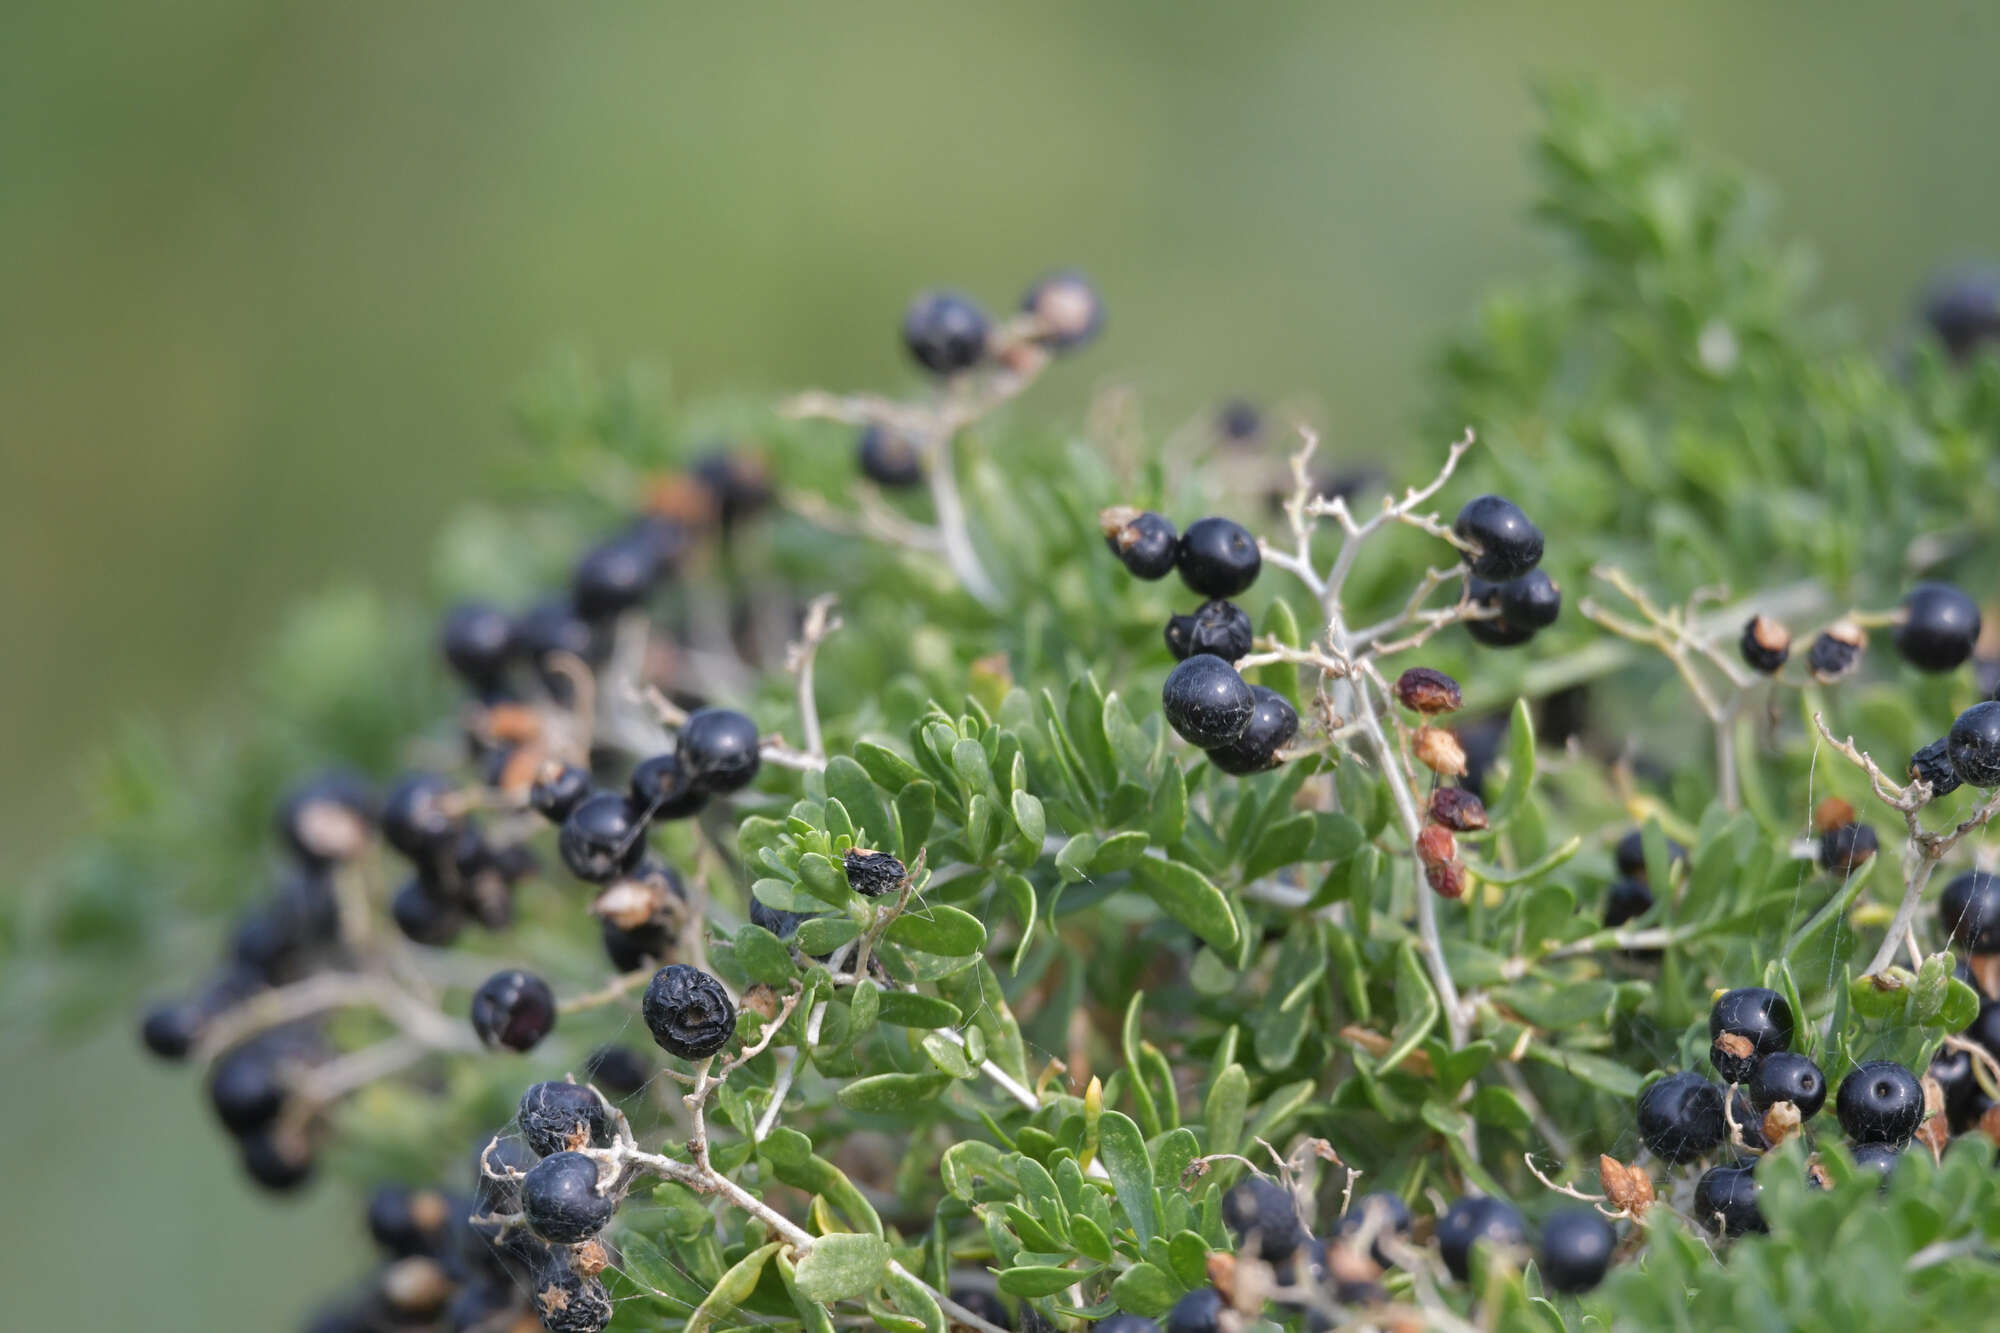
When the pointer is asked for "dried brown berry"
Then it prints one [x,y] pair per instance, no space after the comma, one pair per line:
[1626,1186]
[1429,692]
[1436,846]
[1458,809]
[1780,1122]
[1832,813]
[1439,751]
[1446,879]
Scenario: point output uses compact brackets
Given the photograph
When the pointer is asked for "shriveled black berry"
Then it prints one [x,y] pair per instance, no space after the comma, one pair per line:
[278,1159]
[945,332]
[688,1012]
[777,920]
[873,874]
[1630,854]
[1880,1102]
[888,459]
[567,1302]
[560,1199]
[632,947]
[1273,723]
[619,1070]
[1973,745]
[425,913]
[1680,1117]
[248,1086]
[615,577]
[328,819]
[1626,900]
[1756,1013]
[1725,1201]
[1220,627]
[1533,600]
[1475,1221]
[478,642]
[1881,1158]
[557,1117]
[1932,765]
[1845,849]
[1067,310]
[662,788]
[1836,652]
[407,1222]
[718,748]
[558,789]
[1145,543]
[514,1010]
[603,838]
[1576,1249]
[1939,626]
[1765,645]
[1206,703]
[1386,1214]
[1969,912]
[1495,631]
[1787,1076]
[1264,1217]
[1963,310]
[1218,557]
[1509,545]
[417,819]
[1200,1311]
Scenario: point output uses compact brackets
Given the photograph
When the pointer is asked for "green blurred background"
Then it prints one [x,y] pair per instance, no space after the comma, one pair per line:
[270,274]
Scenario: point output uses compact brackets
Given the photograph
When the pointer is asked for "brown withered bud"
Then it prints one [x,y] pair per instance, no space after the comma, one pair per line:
[1423,690]
[1345,1263]
[1222,1274]
[1113,521]
[1447,879]
[1736,1044]
[1439,751]
[1934,1132]
[590,1258]
[631,903]
[1780,1123]
[1458,809]
[1626,1186]
[1836,652]
[430,1210]
[1832,813]
[516,723]
[762,1001]
[1436,846]
[1989,1123]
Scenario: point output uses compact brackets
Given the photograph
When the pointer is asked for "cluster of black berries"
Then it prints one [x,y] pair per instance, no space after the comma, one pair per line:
[1935,630]
[1502,576]
[458,876]
[1969,913]
[1630,896]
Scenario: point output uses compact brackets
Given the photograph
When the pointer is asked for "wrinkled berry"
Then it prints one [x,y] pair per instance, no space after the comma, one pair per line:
[557,1117]
[1576,1249]
[1880,1102]
[1457,809]
[514,1010]
[1765,645]
[1423,690]
[1932,765]
[619,1070]
[603,838]
[1145,543]
[1068,311]
[1473,1221]
[688,1012]
[1509,545]
[1725,1201]
[1680,1117]
[1206,703]
[1264,1217]
[560,1200]
[1220,627]
[1836,652]
[1787,1076]
[663,789]
[1969,912]
[945,332]
[888,459]
[1218,557]
[873,874]
[568,1302]
[1386,1213]
[718,748]
[1939,626]
[1758,1014]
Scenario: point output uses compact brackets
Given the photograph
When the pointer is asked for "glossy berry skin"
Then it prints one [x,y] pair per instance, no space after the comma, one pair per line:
[688,1012]
[602,839]
[1787,1076]
[619,1070]
[1390,1217]
[1757,1013]
[873,874]
[1576,1249]
[415,820]
[1273,723]
[631,948]
[888,460]
[1881,1158]
[248,1086]
[1147,546]
[1218,557]
[557,1117]
[663,789]
[615,577]
[555,628]
[560,1200]
[1969,912]
[277,1160]
[1068,309]
[1765,645]
[1973,745]
[557,790]
[1626,900]
[1493,631]
[1509,545]
[1206,703]
[718,748]
[478,640]
[1940,624]
[1932,765]
[567,1302]
[1880,1102]
[1845,849]
[513,1010]
[945,332]
[425,915]
[1262,1214]
[1533,600]
[1200,1311]
[1630,854]
[1725,1201]
[1474,1221]
[1680,1117]
[1220,627]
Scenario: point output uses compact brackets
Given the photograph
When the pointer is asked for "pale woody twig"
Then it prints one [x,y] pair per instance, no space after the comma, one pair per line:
[800,660]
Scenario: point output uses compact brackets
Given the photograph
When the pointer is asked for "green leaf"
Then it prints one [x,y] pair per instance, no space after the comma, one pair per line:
[734,1288]
[916,810]
[849,783]
[947,1055]
[1029,819]
[890,770]
[1535,870]
[969,1160]
[786,896]
[937,929]
[1223,1112]
[1073,861]
[1186,895]
[823,935]
[892,1092]
[1520,767]
[908,1009]
[1282,844]
[1122,1149]
[1417,1008]
[1961,1007]
[1089,1241]
[1167,820]
[915,1300]
[1118,852]
[1602,1074]
[1146,1290]
[1188,1253]
[1019,895]
[762,957]
[811,1314]
[842,1266]
[824,880]
[1041,1280]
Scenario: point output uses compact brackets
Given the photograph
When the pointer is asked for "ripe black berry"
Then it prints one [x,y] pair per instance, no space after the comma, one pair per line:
[327,820]
[619,1070]
[1932,765]
[1264,1217]
[1386,1213]
[170,1030]
[1473,1221]
[1068,311]
[603,838]
[1220,627]
[1939,626]
[514,1010]
[1146,543]
[632,947]
[480,1304]
[1963,310]
[1756,1013]
[406,1222]
[1630,854]
[1964,1100]
[1626,900]
[945,332]
[663,789]
[1200,1311]
[1532,601]
[1969,912]
[1218,557]
[888,459]
[1125,1323]
[557,1117]
[1273,723]
[1765,645]
[1206,703]
[1880,1102]
[1881,1158]
[278,1159]
[873,874]
[778,921]
[1493,631]
[1239,422]
[1845,849]
[740,481]
[560,1200]
[689,1012]
[248,1086]
[615,577]
[568,1302]
[1509,545]
[558,789]
[1973,745]
[718,747]
[417,819]
[1836,652]
[1787,1076]
[1680,1117]
[1725,1201]
[478,640]
[425,913]
[552,630]
[1576,1249]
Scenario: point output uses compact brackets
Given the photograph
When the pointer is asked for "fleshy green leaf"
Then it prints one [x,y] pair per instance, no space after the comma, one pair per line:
[842,1266]
[1186,895]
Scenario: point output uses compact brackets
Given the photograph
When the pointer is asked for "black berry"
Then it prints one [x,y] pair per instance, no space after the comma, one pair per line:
[718,748]
[1533,600]
[425,914]
[1787,1076]
[945,332]
[1206,703]
[514,1010]
[615,577]
[984,1304]
[689,1012]
[1880,1102]
[478,640]
[740,481]
[560,1199]
[1964,1100]
[407,1222]
[1496,631]
[1845,849]
[1200,1311]
[557,1117]
[558,789]
[1725,1201]
[248,1086]
[1932,765]
[1969,912]
[1626,900]
[778,921]
[632,947]
[327,820]
[1273,723]
[1836,652]
[1386,1213]
[1239,422]
[1125,1323]
[1264,1217]
[1881,1158]
[279,937]
[603,838]
[551,632]
[1755,1013]
[278,1159]
[1067,310]
[1145,543]
[1680,1117]
[873,874]
[662,788]
[417,818]
[1630,854]
[1576,1249]
[619,1070]
[1218,557]
[1509,545]
[1474,1221]
[1220,627]
[1765,645]
[888,459]
[1939,626]
[1973,745]
[568,1302]
[1963,310]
